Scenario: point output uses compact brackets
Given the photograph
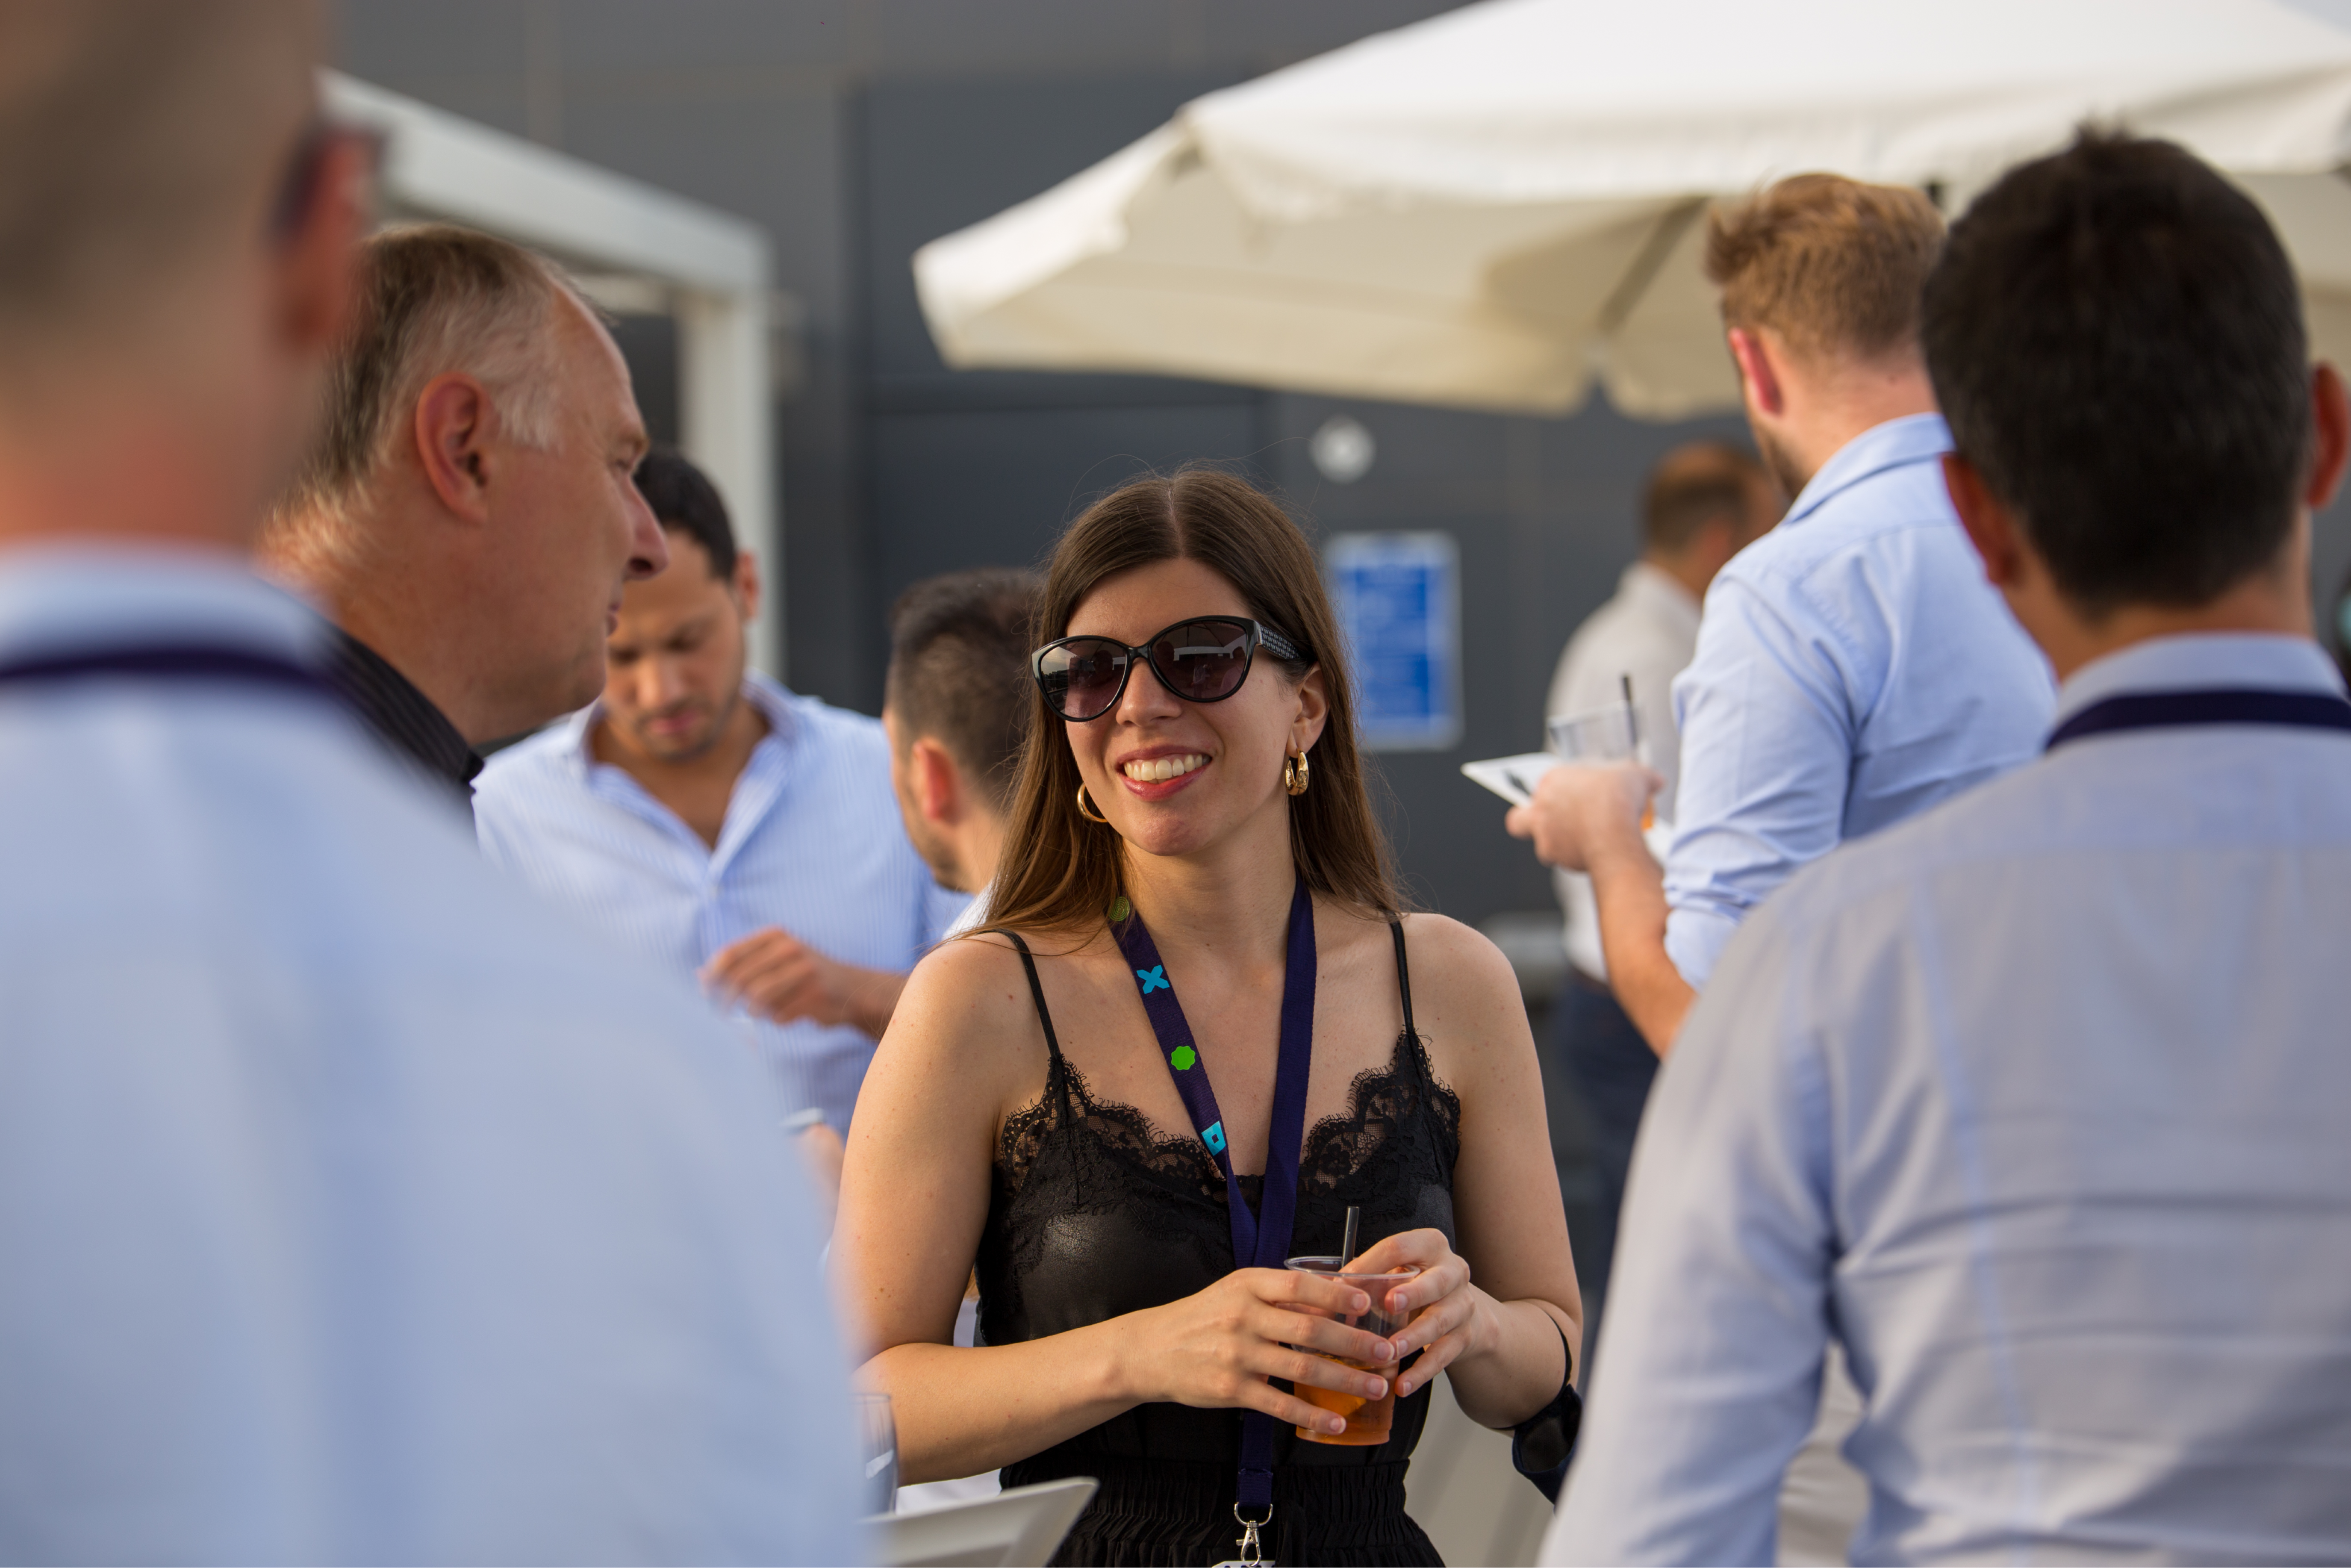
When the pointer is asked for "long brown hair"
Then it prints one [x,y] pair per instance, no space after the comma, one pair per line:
[1060,871]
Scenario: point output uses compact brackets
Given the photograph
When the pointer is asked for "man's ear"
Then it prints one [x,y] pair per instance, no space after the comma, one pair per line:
[452,433]
[748,587]
[1992,527]
[1757,371]
[937,782]
[318,265]
[2331,432]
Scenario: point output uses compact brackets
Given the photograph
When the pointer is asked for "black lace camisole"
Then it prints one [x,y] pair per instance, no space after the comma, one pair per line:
[1095,1213]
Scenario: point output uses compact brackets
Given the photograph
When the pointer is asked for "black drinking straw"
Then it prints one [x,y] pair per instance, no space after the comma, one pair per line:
[1347,1246]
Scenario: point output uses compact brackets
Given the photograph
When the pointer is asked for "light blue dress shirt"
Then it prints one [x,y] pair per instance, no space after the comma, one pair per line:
[812,844]
[355,1207]
[1852,668]
[2036,1104]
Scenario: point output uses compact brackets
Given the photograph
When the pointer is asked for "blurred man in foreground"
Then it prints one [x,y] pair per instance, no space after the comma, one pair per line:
[955,707]
[2034,1102]
[352,1210]
[467,518]
[1704,501]
[722,825]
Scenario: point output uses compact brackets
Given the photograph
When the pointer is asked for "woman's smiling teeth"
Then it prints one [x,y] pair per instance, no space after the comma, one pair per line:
[1159,769]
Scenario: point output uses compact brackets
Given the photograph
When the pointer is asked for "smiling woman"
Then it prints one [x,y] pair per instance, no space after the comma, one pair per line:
[1187,1050]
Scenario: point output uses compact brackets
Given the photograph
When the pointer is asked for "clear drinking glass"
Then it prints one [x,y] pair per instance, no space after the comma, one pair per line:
[1600,734]
[1610,734]
[1368,1420]
[877,1449]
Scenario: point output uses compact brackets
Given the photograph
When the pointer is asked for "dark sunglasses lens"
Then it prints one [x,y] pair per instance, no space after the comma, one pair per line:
[1203,660]
[1081,677]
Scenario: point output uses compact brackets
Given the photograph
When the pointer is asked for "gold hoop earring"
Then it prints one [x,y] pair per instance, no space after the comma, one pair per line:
[1086,808]
[1294,772]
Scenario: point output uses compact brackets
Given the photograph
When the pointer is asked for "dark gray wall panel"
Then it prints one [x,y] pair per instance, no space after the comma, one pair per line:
[974,488]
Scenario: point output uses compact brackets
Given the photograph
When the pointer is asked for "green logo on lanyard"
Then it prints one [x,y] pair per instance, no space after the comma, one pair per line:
[1183,1058]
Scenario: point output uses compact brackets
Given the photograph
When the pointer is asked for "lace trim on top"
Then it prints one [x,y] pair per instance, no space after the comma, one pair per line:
[1380,1102]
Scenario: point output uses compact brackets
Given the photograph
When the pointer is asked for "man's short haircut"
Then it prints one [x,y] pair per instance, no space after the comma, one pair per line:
[435,298]
[959,669]
[1830,264]
[1692,485]
[133,133]
[683,501]
[2115,337]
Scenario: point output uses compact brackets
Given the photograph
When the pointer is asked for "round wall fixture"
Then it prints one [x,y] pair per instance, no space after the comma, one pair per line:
[1343,450]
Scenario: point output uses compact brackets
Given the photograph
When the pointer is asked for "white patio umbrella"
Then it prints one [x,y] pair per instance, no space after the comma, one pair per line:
[1492,207]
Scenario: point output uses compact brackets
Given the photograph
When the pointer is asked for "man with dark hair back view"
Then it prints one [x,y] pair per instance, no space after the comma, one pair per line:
[2033,1104]
[955,707]
[732,830]
[353,1208]
[956,710]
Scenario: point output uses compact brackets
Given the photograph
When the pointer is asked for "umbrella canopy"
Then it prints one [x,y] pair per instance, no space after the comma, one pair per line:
[1496,206]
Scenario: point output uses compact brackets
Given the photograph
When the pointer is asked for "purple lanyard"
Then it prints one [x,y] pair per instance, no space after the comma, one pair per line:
[173,661]
[2214,704]
[1259,1241]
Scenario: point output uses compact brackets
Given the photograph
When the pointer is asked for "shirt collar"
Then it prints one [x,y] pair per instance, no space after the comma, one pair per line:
[401,716]
[2201,661]
[1913,438]
[763,692]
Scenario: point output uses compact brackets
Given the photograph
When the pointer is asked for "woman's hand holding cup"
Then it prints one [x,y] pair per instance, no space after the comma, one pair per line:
[1215,1349]
[1450,1318]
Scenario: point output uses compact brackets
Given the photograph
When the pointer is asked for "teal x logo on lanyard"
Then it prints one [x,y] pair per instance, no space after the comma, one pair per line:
[1155,979]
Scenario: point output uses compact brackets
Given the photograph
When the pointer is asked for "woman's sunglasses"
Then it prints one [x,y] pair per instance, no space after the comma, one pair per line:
[1202,660]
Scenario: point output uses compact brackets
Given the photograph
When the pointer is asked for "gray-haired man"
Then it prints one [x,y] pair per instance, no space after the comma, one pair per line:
[469,515]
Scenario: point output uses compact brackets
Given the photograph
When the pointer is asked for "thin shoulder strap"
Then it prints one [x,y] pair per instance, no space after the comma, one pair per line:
[1056,1072]
[1045,1016]
[1403,973]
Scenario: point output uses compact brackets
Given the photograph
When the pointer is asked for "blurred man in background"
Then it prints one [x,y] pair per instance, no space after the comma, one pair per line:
[467,518]
[2034,1102]
[722,825]
[956,711]
[353,1208]
[1853,667]
[1704,503]
[956,707]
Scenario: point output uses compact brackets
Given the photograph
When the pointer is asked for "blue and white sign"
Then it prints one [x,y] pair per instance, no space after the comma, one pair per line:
[1399,602]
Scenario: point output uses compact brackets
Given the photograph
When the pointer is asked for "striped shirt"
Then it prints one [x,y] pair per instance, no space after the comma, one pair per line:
[813,845]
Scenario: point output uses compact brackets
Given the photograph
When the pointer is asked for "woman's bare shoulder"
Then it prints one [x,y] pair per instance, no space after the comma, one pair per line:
[971,981]
[967,1017]
[1463,990]
[1452,948]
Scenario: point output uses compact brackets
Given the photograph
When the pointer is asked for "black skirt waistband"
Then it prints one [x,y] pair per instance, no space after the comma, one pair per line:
[1174,1510]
